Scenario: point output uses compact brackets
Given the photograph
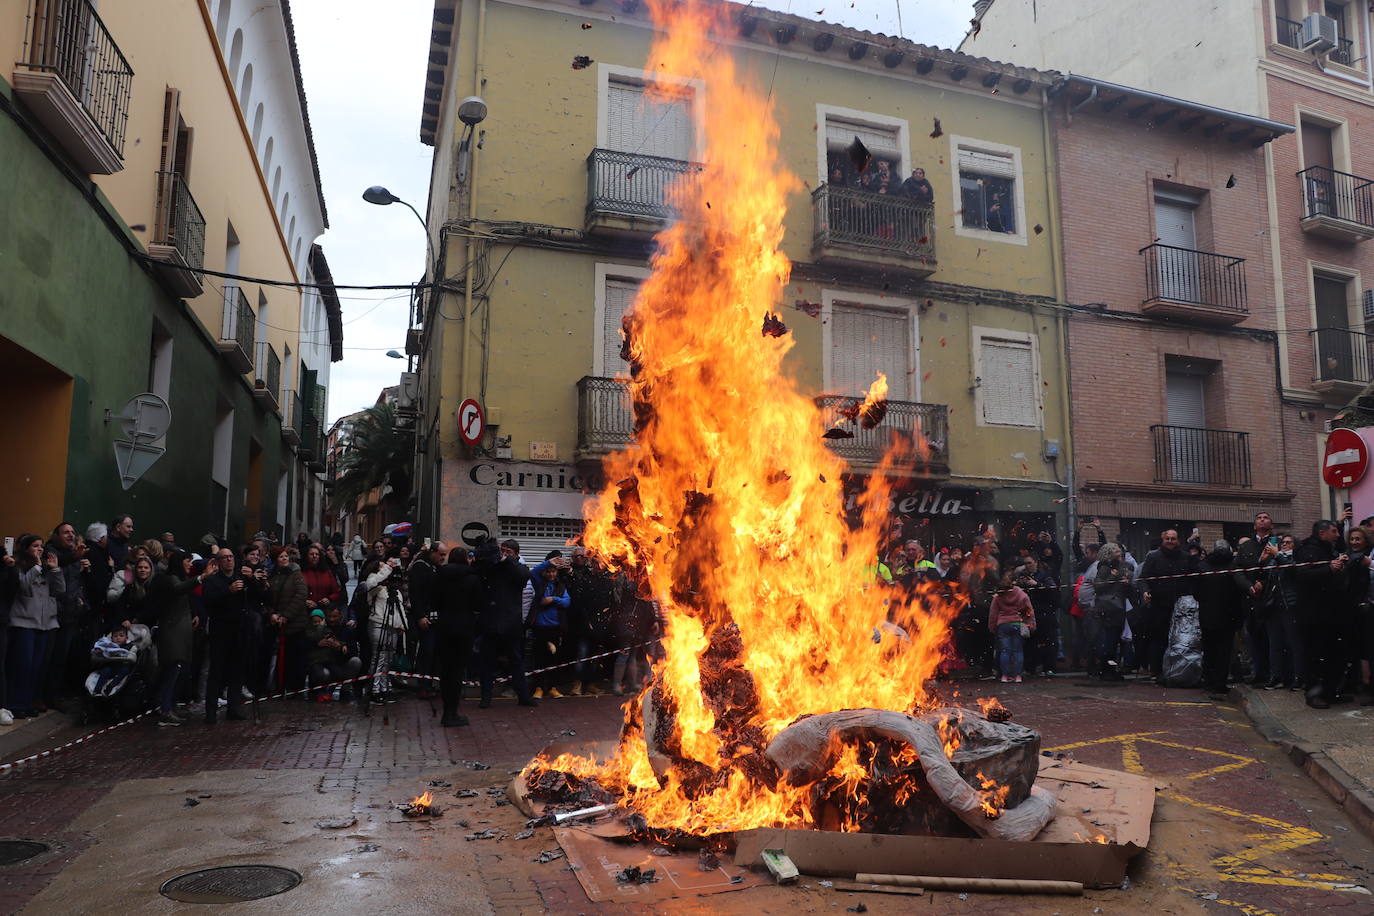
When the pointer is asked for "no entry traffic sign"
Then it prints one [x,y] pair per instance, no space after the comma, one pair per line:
[471,423]
[1346,460]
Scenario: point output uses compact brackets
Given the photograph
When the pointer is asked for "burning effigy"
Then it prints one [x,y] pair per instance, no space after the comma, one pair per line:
[792,691]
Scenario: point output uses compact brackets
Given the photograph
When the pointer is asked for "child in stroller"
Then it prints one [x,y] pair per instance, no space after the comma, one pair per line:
[123,660]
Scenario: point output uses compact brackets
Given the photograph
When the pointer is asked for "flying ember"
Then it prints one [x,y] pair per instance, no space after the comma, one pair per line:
[729,512]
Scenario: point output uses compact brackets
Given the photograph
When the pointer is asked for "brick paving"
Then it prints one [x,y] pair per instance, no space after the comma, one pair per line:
[1249,832]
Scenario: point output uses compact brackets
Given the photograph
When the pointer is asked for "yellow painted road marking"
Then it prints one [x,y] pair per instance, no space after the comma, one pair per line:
[1241,866]
[1249,909]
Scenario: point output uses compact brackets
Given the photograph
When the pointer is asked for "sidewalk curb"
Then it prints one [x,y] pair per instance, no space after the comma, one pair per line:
[1353,796]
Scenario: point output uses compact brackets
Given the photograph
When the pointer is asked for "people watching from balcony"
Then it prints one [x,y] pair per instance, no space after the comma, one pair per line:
[918,188]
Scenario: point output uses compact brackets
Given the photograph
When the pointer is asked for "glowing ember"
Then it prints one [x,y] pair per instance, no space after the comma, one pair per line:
[728,508]
[993,709]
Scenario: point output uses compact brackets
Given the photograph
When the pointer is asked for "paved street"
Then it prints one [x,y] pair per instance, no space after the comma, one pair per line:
[1237,827]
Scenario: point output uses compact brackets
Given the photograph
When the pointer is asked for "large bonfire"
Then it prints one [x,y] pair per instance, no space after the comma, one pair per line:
[728,509]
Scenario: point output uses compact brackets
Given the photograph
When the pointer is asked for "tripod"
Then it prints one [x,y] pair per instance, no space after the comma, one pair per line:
[390,635]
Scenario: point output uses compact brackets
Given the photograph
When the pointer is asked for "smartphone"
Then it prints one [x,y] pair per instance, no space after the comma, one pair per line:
[428,543]
[1273,540]
[9,547]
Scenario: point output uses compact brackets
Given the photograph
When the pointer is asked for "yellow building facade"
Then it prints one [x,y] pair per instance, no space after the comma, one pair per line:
[545,210]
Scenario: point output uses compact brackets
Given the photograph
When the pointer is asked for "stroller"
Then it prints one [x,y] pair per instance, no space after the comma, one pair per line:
[118,687]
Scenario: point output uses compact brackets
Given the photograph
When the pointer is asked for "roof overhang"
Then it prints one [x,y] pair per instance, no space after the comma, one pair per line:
[1099,97]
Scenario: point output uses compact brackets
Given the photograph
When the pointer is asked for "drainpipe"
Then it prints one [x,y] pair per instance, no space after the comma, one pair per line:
[1062,314]
[469,246]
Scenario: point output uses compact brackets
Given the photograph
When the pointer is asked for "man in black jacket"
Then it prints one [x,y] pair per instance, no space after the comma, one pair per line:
[1259,601]
[1325,610]
[501,621]
[458,596]
[1160,590]
[230,597]
[421,580]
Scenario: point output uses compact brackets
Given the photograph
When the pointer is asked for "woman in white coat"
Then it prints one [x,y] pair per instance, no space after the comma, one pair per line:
[386,630]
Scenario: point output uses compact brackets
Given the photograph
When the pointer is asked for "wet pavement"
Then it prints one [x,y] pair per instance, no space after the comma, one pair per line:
[1237,828]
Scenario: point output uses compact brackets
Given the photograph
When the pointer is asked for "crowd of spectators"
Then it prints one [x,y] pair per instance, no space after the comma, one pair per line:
[108,618]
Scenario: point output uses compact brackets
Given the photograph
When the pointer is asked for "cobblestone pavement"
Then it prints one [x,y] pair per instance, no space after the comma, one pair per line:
[1237,827]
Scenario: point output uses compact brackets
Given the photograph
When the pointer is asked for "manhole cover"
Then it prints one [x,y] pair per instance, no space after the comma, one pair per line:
[230,884]
[12,851]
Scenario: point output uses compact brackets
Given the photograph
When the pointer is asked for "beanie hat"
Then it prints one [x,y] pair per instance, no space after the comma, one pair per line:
[317,613]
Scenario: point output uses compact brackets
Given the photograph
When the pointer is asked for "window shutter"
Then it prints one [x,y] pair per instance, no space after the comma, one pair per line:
[636,123]
[865,341]
[619,295]
[881,141]
[974,160]
[537,536]
[1008,386]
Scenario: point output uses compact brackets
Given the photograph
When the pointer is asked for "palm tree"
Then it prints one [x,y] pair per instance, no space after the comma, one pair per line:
[378,453]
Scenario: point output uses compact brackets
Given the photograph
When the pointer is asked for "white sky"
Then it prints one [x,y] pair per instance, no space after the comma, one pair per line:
[364,67]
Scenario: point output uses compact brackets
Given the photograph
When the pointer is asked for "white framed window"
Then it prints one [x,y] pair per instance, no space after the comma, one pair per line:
[888,139]
[1007,367]
[616,287]
[991,190]
[630,119]
[863,335]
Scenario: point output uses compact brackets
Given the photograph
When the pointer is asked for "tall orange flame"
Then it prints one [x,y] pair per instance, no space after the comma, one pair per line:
[728,509]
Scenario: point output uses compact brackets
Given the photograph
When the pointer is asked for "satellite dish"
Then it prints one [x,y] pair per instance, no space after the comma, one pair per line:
[145,419]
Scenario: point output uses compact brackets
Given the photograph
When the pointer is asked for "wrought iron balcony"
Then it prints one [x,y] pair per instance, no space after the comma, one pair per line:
[1194,285]
[1337,205]
[1288,32]
[628,192]
[1341,361]
[605,417]
[77,82]
[925,426]
[267,384]
[237,330]
[292,407]
[864,229]
[1202,457]
[179,237]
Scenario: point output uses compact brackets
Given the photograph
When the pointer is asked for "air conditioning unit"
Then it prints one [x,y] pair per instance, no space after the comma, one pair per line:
[1319,33]
[1369,305]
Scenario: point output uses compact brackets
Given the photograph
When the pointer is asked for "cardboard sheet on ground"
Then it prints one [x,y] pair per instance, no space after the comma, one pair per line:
[598,860]
[1113,806]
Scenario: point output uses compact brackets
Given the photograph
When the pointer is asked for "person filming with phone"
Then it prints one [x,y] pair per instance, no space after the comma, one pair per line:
[230,595]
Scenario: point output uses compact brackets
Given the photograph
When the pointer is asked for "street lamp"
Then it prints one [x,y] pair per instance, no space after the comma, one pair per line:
[395,355]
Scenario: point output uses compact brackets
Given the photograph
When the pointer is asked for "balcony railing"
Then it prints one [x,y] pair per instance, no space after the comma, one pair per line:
[1288,32]
[68,39]
[1198,280]
[179,220]
[925,426]
[605,417]
[1205,457]
[1331,195]
[268,372]
[1341,356]
[1344,52]
[238,329]
[855,218]
[291,409]
[631,184]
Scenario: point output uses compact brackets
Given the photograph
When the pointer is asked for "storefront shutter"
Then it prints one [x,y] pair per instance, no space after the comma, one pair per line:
[865,341]
[619,295]
[537,536]
[1008,385]
[636,123]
